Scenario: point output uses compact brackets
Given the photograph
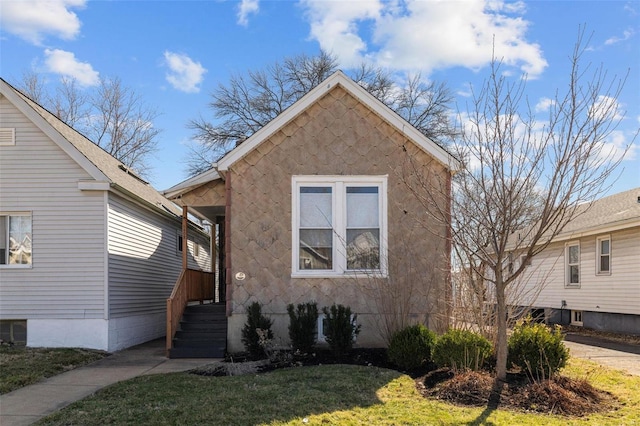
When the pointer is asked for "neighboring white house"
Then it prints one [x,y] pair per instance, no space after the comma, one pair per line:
[89,252]
[590,274]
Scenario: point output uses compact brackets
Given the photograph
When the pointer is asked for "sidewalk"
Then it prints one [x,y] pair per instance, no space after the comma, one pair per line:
[27,405]
[619,356]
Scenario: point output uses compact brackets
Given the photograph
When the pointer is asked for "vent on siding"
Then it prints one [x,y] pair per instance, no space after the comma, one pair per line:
[7,136]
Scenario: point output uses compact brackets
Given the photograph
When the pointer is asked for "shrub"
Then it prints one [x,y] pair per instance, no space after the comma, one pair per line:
[340,329]
[303,321]
[537,349]
[461,350]
[411,347]
[250,337]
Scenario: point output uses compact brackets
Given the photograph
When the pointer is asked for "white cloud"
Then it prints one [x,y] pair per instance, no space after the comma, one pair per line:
[32,20]
[184,74]
[626,35]
[425,35]
[607,107]
[65,63]
[544,104]
[246,8]
[617,147]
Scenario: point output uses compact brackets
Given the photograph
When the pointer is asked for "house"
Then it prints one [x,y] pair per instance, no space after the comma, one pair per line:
[89,251]
[590,274]
[320,205]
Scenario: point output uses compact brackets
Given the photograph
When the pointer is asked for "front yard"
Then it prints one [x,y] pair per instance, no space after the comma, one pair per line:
[329,394]
[21,366]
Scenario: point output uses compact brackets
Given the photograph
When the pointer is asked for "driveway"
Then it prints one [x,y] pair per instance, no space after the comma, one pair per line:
[617,355]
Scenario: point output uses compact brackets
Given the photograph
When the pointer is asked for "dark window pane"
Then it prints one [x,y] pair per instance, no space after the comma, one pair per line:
[363,249]
[316,249]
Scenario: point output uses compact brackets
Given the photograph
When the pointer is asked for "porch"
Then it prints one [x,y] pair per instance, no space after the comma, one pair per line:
[197,309]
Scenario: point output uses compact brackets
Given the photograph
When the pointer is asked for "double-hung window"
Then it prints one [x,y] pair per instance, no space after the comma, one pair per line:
[15,239]
[603,258]
[572,262]
[339,225]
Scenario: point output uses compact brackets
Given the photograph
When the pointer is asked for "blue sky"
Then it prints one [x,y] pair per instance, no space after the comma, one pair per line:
[174,53]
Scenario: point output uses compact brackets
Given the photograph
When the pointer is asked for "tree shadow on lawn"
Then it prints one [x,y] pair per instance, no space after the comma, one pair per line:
[278,396]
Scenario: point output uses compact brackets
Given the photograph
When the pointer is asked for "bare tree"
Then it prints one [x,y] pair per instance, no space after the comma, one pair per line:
[522,181]
[246,104]
[122,124]
[112,115]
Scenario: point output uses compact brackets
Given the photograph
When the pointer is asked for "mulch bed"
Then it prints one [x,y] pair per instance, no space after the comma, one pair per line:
[561,395]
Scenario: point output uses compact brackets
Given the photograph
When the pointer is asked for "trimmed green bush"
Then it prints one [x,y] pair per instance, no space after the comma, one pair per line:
[250,336]
[340,329]
[461,350]
[303,322]
[537,349]
[411,347]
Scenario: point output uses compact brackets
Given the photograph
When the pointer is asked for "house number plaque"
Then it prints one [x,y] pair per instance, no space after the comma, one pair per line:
[240,276]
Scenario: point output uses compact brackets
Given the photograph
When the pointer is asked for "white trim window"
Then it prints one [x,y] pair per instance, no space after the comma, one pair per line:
[576,318]
[15,240]
[603,256]
[572,262]
[339,225]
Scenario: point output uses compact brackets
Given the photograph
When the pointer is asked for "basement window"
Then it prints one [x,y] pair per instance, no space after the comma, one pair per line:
[14,331]
[576,318]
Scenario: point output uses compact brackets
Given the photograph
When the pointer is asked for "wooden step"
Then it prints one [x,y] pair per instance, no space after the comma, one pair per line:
[208,352]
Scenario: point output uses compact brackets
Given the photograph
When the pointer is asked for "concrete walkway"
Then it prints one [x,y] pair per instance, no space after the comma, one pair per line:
[619,356]
[27,405]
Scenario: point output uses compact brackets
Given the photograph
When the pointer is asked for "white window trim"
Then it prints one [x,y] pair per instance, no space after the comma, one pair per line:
[17,266]
[338,184]
[576,318]
[567,270]
[599,254]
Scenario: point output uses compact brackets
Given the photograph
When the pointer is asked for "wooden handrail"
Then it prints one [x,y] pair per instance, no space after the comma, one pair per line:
[191,286]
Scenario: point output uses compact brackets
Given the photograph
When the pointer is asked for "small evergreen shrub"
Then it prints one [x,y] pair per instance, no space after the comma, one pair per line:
[411,347]
[537,349]
[340,329]
[461,350]
[250,337]
[303,321]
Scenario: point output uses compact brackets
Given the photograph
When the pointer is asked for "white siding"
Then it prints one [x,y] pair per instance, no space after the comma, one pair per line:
[144,262]
[618,292]
[66,280]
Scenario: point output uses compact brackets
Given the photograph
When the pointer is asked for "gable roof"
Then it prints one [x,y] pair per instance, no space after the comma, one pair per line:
[338,79]
[106,170]
[615,212]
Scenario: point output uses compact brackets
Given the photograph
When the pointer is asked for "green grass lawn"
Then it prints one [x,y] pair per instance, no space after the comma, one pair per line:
[21,366]
[330,394]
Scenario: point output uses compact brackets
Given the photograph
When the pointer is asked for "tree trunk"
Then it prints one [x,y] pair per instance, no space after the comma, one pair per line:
[501,342]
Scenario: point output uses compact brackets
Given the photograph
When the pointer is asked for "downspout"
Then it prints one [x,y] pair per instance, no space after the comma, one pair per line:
[227,241]
[185,237]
